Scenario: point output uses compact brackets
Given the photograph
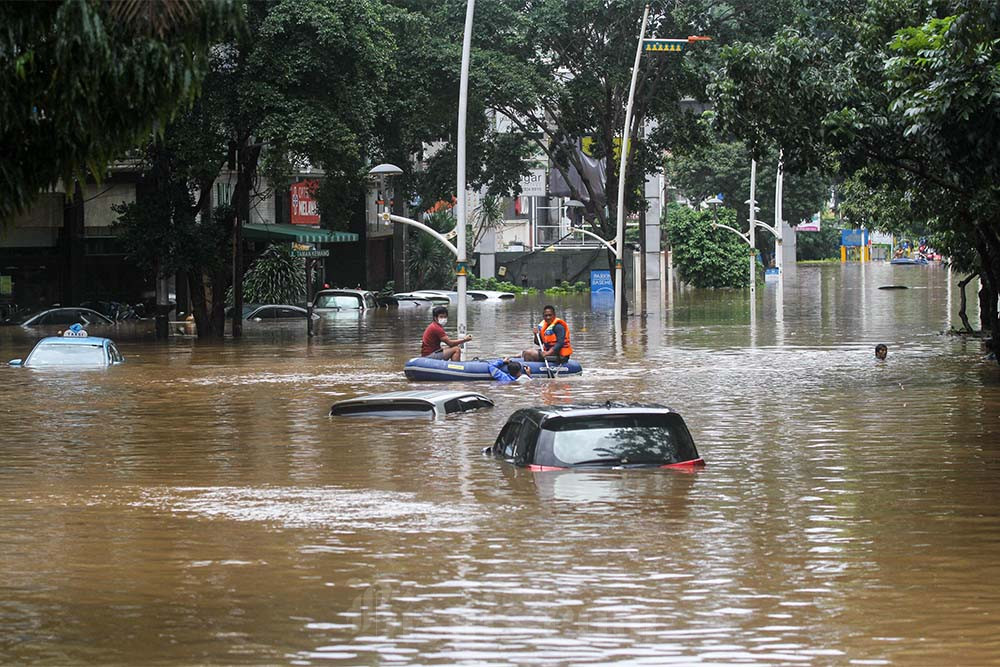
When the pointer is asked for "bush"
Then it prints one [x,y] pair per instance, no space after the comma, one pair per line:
[707,256]
[565,287]
[492,284]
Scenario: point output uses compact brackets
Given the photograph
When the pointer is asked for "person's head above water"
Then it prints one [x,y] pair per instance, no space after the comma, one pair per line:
[881,351]
[515,370]
[440,315]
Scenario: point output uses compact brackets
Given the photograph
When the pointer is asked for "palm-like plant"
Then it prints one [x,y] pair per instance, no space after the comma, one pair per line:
[430,264]
[275,277]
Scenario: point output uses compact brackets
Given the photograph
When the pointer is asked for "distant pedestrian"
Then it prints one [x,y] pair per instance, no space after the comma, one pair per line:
[881,351]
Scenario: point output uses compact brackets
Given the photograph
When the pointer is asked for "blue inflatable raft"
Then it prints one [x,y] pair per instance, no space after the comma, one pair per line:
[424,368]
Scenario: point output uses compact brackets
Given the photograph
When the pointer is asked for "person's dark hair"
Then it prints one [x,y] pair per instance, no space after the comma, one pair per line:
[514,368]
[552,308]
[881,348]
[439,310]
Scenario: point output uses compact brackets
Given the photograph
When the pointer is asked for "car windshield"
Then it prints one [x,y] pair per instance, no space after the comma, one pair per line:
[21,319]
[622,440]
[60,354]
[345,301]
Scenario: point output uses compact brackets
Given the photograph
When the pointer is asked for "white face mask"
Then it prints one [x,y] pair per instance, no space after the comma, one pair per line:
[442,321]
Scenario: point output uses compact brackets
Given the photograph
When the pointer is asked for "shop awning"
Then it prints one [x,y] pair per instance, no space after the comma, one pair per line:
[296,233]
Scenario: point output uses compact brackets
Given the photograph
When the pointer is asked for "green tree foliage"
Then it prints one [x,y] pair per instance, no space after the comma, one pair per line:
[901,96]
[275,277]
[300,86]
[431,265]
[85,80]
[161,234]
[707,256]
[824,244]
[723,167]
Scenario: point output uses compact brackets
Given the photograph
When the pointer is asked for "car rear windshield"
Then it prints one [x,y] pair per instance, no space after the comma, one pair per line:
[656,439]
[345,301]
[58,354]
[397,410]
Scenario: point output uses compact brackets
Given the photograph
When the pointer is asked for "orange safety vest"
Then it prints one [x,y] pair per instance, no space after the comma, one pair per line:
[549,336]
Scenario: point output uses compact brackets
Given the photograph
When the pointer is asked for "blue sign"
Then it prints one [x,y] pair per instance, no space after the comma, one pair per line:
[600,281]
[853,238]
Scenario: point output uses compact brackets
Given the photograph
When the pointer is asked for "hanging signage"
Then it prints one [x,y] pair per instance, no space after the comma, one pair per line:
[303,207]
[853,238]
[533,185]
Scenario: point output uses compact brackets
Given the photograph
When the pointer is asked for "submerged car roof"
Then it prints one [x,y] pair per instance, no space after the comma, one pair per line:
[74,340]
[426,396]
[596,410]
[438,402]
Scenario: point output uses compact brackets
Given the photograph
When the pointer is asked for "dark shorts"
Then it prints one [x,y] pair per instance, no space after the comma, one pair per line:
[435,355]
[556,359]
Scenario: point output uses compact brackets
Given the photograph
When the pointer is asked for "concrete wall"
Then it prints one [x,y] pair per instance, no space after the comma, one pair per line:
[547,268]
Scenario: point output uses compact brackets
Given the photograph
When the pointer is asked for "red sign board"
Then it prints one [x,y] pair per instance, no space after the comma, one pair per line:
[303,208]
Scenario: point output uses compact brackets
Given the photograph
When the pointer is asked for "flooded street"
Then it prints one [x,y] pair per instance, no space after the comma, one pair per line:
[197,505]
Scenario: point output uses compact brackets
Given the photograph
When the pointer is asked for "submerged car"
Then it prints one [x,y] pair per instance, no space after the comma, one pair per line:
[333,300]
[408,404]
[271,312]
[490,295]
[61,317]
[73,349]
[609,435]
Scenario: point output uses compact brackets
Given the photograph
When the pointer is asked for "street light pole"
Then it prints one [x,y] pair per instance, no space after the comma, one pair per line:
[461,263]
[620,231]
[750,234]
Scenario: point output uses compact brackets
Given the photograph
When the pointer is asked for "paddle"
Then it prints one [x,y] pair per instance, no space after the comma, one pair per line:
[541,351]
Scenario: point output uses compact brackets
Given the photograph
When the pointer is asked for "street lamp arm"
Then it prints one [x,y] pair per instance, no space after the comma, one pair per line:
[421,226]
[768,227]
[610,245]
[745,237]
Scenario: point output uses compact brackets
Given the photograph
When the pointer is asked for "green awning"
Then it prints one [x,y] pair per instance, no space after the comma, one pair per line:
[296,233]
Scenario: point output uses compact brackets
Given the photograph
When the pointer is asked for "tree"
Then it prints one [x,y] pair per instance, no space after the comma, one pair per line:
[431,265]
[714,167]
[707,256]
[85,80]
[299,86]
[901,94]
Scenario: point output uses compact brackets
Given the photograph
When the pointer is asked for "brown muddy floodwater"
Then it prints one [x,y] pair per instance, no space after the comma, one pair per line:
[197,505]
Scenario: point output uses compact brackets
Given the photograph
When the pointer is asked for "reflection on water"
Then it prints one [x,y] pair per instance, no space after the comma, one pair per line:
[196,505]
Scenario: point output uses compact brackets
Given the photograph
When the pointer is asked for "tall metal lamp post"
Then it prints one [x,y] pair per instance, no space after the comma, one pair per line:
[747,236]
[650,46]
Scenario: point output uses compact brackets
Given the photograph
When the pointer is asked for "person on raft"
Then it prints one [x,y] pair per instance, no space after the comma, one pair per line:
[552,336]
[434,337]
[514,372]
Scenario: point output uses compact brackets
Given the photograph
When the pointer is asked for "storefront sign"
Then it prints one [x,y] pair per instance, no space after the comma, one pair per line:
[303,209]
[533,185]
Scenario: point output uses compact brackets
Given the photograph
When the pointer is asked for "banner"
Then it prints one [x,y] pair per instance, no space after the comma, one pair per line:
[303,207]
[810,225]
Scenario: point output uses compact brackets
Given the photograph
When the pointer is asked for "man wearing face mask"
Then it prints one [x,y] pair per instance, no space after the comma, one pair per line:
[434,336]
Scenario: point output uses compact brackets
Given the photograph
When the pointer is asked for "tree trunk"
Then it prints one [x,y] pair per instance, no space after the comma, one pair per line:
[962,302]
[199,307]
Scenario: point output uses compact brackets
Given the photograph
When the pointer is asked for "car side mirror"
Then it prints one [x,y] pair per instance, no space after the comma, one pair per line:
[15,362]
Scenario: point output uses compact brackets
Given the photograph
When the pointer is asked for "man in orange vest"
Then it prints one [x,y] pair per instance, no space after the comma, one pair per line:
[552,335]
